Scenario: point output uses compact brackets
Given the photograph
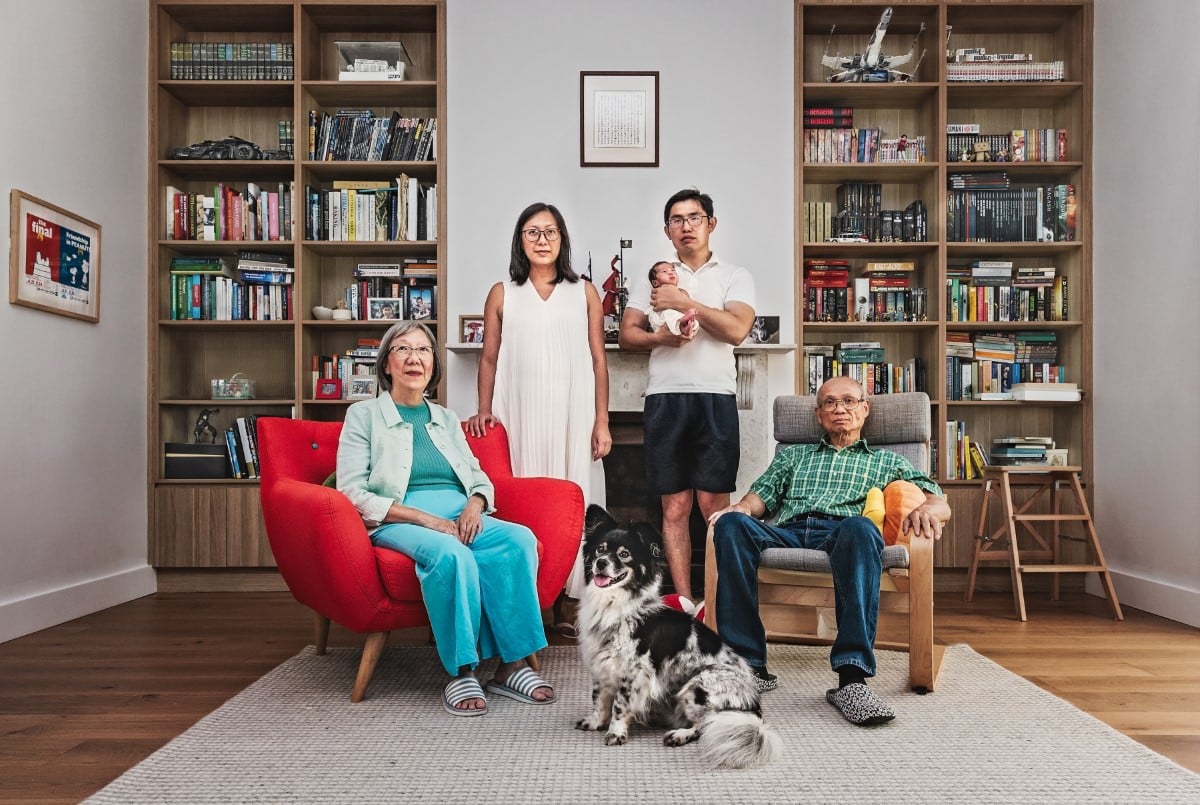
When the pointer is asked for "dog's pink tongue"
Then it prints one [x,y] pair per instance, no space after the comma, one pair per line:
[601,581]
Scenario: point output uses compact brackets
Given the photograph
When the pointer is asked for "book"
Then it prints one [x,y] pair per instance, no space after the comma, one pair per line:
[1046,392]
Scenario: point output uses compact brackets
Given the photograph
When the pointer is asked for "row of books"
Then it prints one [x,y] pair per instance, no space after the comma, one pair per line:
[1019,145]
[850,145]
[966,460]
[967,379]
[883,226]
[241,444]
[230,213]
[823,361]
[206,297]
[1047,214]
[232,61]
[358,135]
[969,302]
[373,211]
[986,290]
[358,361]
[831,303]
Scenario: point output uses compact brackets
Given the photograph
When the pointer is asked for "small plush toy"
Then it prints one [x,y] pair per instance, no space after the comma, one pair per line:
[888,507]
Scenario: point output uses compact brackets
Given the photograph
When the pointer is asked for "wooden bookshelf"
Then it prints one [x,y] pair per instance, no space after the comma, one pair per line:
[218,523]
[1050,30]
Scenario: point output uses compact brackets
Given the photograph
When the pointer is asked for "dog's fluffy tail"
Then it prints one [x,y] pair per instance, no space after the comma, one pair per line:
[737,739]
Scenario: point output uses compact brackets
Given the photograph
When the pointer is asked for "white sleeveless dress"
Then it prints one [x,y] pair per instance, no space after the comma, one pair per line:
[546,391]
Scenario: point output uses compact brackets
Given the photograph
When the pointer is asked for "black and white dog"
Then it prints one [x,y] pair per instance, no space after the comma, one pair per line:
[653,664]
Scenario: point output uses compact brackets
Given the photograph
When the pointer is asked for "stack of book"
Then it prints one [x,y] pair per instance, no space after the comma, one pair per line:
[1020,450]
[826,284]
[1047,392]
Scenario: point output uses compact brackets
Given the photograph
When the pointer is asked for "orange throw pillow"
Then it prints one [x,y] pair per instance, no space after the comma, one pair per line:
[899,499]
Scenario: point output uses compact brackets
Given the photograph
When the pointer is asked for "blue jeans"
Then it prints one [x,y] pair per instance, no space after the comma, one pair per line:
[855,549]
[481,598]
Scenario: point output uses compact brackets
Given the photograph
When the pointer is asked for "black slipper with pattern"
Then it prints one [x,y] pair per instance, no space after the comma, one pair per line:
[859,704]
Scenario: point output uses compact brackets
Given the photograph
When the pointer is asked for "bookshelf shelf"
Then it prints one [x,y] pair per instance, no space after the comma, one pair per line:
[901,172]
[1050,30]
[218,523]
[237,170]
[230,93]
[372,93]
[328,171]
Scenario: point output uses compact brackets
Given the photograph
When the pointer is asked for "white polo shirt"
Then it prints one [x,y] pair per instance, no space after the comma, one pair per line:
[704,364]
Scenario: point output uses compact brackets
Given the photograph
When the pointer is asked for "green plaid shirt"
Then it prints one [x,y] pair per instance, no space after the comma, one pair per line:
[820,478]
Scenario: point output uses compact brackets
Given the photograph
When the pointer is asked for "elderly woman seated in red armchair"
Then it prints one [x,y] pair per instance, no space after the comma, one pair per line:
[405,465]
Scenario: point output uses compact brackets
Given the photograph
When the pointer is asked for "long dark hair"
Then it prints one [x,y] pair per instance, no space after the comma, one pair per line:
[518,262]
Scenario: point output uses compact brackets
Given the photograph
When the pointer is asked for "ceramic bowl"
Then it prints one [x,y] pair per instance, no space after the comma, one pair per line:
[341,315]
[322,313]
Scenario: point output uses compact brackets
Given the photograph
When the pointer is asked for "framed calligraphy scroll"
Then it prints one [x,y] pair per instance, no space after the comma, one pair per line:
[618,119]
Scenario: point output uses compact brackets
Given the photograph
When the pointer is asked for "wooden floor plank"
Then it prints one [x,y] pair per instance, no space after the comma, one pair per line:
[82,702]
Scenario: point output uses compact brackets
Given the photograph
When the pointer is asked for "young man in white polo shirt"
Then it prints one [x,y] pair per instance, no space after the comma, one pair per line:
[691,422]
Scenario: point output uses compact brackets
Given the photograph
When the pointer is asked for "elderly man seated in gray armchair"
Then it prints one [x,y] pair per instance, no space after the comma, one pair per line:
[818,492]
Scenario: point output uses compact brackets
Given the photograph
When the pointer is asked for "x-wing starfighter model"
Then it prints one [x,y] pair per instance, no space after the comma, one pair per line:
[871,64]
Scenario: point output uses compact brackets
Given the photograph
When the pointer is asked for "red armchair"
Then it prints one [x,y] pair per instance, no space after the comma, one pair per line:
[326,558]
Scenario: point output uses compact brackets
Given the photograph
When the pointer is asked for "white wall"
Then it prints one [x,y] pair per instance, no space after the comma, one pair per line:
[73,412]
[1147,283]
[725,93]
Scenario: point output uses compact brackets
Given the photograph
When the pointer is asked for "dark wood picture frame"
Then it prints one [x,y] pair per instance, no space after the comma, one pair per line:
[618,119]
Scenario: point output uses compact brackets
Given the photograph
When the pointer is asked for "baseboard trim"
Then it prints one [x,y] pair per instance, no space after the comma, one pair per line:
[41,611]
[220,580]
[1151,595]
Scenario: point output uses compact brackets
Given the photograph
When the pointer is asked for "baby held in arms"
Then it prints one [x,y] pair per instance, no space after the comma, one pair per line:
[678,322]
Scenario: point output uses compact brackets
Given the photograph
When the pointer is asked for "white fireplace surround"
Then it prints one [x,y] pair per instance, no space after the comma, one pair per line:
[627,384]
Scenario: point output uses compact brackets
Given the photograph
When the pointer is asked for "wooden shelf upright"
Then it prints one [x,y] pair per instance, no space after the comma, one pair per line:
[998,481]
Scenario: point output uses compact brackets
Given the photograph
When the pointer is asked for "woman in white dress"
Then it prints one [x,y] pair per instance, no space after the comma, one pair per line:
[543,372]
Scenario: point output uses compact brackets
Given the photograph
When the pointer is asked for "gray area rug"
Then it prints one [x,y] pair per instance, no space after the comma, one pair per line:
[986,735]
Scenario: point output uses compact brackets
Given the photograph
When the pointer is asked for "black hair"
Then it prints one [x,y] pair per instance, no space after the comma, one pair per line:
[518,261]
[654,268]
[689,194]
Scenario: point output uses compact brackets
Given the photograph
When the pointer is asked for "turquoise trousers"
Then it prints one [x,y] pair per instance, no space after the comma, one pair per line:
[481,598]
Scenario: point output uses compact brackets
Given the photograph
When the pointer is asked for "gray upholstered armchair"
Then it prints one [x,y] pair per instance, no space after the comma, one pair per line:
[796,598]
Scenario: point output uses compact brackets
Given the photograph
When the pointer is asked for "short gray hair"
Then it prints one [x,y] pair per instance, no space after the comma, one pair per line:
[385,345]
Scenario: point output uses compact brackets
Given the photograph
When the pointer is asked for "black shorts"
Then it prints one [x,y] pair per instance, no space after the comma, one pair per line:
[691,442]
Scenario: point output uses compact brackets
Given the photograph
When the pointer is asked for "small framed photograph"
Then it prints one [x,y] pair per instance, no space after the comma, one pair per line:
[54,262]
[1057,457]
[362,387]
[618,119]
[384,308]
[329,388]
[470,329]
[764,331]
[419,302]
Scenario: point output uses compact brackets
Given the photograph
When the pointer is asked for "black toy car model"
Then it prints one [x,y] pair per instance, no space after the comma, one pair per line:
[229,148]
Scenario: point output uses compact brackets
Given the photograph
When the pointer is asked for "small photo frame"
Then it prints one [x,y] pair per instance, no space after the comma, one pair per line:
[362,387]
[1057,457]
[618,119]
[764,331]
[54,262]
[329,388]
[419,302]
[470,329]
[385,308]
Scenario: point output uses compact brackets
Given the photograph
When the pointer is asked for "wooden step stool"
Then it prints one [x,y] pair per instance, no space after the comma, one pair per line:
[999,481]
